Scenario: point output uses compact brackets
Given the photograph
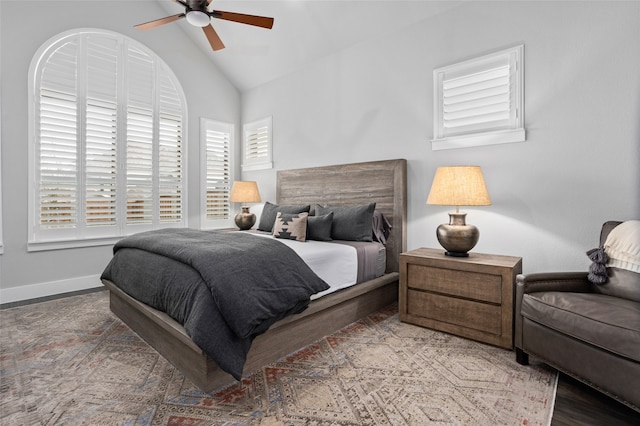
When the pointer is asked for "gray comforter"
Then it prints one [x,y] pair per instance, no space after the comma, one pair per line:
[224,287]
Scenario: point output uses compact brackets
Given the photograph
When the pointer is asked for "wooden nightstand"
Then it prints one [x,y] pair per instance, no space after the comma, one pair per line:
[467,296]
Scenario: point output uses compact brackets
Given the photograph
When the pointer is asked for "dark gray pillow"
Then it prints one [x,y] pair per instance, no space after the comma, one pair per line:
[350,223]
[269,212]
[381,227]
[319,227]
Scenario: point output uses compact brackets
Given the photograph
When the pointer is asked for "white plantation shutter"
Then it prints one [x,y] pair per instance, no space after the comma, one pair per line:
[170,155]
[108,141]
[257,145]
[57,147]
[479,101]
[216,139]
[170,168]
[100,129]
[139,167]
[140,137]
[475,102]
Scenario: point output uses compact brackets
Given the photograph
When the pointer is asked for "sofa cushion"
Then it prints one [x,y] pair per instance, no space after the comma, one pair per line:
[620,283]
[610,323]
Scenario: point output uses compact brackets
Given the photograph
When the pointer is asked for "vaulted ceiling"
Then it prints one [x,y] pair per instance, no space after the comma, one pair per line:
[304,31]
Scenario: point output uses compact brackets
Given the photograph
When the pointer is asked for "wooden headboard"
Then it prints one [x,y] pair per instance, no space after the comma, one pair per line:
[384,182]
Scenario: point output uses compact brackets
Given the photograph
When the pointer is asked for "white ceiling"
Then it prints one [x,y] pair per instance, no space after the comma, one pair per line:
[304,31]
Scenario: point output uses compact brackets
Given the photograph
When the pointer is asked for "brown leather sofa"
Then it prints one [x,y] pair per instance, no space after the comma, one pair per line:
[588,331]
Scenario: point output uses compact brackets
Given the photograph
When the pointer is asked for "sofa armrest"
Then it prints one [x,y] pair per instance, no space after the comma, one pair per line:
[574,282]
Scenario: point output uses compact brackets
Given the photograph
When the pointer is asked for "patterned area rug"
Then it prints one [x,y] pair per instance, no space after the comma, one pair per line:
[70,361]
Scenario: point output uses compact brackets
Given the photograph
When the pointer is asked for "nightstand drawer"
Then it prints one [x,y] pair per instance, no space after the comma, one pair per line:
[461,312]
[467,284]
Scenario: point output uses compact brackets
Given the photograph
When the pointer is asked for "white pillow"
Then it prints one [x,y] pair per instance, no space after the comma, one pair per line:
[623,246]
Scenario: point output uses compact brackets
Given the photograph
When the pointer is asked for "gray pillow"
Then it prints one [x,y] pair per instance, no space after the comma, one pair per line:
[269,212]
[350,223]
[381,227]
[319,227]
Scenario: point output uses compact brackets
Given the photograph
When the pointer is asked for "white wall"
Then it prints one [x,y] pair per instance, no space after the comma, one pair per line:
[209,94]
[578,168]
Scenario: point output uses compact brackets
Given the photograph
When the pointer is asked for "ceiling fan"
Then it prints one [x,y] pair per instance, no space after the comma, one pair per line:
[198,14]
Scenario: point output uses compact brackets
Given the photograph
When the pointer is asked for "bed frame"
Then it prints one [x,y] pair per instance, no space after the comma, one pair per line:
[384,182]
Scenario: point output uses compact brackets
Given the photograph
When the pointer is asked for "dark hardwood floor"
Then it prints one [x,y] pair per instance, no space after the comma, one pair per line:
[579,404]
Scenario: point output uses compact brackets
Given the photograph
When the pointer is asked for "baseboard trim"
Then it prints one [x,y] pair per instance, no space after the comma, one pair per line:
[47,289]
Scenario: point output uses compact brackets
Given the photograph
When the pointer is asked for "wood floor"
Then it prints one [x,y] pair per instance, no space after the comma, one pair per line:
[579,404]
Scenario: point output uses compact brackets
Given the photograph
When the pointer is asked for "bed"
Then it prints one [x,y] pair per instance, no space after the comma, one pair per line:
[383,182]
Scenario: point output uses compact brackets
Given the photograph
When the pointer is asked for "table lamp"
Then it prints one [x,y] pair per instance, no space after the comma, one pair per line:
[245,192]
[458,186]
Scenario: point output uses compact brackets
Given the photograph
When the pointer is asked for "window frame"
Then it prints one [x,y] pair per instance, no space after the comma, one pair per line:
[502,131]
[207,124]
[258,129]
[83,234]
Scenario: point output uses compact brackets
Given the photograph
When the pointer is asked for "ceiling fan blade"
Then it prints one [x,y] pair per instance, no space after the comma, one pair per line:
[152,24]
[258,21]
[212,36]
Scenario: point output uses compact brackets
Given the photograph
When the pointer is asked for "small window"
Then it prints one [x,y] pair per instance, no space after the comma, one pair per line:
[216,141]
[257,146]
[479,101]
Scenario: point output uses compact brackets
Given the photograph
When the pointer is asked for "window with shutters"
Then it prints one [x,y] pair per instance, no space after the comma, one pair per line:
[107,138]
[480,101]
[216,142]
[257,145]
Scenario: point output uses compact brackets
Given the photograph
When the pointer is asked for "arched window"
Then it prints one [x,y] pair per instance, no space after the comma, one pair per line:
[107,133]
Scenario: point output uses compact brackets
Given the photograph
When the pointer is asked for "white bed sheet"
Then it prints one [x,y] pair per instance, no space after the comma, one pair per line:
[336,264]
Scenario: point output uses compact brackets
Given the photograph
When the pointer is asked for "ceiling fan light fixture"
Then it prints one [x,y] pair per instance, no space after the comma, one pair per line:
[198,18]
[197,14]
